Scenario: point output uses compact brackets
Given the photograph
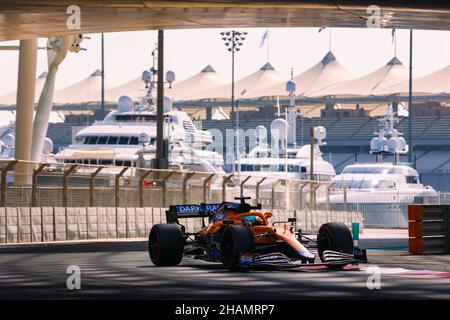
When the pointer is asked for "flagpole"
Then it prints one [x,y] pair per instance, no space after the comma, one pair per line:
[395,44]
[329,39]
[410,109]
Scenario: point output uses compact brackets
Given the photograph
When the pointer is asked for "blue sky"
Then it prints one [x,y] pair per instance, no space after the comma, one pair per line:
[188,51]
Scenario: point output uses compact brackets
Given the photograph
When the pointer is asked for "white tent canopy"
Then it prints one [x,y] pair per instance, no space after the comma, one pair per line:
[244,88]
[134,89]
[321,76]
[435,83]
[206,79]
[378,82]
[87,90]
[10,98]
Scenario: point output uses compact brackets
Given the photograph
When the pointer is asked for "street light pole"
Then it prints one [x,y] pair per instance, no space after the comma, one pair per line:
[233,40]
[102,106]
[162,157]
[232,76]
[410,110]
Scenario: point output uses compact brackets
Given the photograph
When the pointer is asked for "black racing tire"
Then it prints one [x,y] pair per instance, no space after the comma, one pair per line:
[166,244]
[334,236]
[236,240]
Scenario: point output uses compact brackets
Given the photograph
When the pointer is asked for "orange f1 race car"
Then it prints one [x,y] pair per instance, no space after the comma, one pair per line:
[241,236]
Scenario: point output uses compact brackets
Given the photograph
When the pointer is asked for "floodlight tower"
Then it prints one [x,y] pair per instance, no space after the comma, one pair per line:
[233,41]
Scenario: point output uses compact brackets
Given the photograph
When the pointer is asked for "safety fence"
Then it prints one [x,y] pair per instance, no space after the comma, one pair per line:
[39,224]
[77,185]
[69,185]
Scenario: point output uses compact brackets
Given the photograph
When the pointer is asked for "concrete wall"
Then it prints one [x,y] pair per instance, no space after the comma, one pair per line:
[37,224]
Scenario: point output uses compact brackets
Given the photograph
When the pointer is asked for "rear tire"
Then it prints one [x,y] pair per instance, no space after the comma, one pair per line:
[334,236]
[236,240]
[166,244]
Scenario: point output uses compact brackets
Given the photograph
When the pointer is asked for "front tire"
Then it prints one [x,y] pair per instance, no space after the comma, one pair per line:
[236,240]
[165,244]
[334,236]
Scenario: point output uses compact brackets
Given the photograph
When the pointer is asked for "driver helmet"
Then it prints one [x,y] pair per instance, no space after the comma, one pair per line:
[249,219]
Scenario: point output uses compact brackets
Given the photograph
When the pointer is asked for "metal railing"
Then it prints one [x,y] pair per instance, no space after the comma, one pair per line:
[79,185]
[59,185]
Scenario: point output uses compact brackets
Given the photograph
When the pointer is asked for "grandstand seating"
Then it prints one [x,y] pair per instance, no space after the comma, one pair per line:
[61,134]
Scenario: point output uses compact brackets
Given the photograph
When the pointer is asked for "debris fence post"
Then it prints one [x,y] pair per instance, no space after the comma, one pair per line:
[34,184]
[226,179]
[4,181]
[187,176]
[207,195]
[258,184]
[92,186]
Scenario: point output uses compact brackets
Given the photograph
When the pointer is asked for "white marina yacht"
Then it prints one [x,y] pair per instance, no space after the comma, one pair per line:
[381,190]
[127,138]
[8,149]
[282,158]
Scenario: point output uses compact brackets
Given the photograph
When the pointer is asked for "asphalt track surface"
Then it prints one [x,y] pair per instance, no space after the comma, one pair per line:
[122,270]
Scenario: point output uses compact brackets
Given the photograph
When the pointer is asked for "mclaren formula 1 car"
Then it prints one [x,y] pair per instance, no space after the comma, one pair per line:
[241,236]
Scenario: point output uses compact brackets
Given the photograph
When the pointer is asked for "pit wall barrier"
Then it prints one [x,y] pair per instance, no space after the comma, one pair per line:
[39,224]
[429,229]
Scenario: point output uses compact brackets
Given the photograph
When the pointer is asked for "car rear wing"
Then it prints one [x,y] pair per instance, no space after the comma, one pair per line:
[191,211]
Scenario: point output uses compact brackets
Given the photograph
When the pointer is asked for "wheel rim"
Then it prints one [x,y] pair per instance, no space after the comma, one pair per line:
[228,250]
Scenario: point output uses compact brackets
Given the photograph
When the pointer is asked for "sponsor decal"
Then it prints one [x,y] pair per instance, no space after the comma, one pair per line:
[246,259]
[194,208]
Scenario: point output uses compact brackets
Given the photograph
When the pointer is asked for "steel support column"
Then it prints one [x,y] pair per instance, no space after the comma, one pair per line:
[24,108]
[56,54]
[161,159]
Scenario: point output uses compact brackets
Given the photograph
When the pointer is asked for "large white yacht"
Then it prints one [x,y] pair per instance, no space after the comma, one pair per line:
[282,158]
[127,137]
[8,149]
[381,190]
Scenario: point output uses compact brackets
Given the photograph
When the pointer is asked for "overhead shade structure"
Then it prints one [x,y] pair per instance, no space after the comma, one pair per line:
[244,88]
[435,83]
[378,82]
[206,79]
[88,90]
[10,98]
[324,74]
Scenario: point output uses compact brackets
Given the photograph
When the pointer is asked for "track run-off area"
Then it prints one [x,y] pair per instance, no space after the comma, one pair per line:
[123,270]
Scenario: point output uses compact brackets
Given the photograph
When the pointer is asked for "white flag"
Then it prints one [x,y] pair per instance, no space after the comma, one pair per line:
[264,38]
